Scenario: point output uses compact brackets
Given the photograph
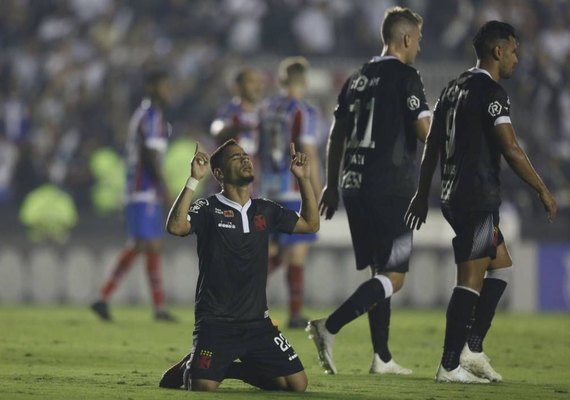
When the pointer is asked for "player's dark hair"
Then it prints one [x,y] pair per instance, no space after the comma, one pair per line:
[291,69]
[242,74]
[218,155]
[395,16]
[153,76]
[489,34]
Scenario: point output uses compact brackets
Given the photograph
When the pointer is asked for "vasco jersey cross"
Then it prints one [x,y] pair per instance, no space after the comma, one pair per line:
[284,120]
[147,128]
[380,103]
[233,252]
[466,112]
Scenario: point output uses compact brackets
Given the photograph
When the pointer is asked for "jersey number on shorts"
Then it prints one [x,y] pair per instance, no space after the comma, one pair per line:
[282,342]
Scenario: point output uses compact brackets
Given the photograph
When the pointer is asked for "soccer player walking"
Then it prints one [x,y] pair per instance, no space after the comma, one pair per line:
[287,118]
[381,114]
[232,320]
[471,129]
[147,142]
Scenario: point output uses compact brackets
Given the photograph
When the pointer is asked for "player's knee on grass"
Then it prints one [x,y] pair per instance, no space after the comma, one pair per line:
[203,385]
[296,382]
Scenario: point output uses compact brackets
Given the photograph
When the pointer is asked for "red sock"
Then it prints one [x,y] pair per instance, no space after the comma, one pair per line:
[295,283]
[274,263]
[123,264]
[154,278]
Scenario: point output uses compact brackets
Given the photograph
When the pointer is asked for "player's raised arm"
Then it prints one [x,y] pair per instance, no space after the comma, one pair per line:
[300,167]
[177,222]
[519,162]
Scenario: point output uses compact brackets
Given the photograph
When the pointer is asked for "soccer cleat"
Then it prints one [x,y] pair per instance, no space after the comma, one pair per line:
[297,322]
[459,375]
[164,316]
[173,377]
[324,340]
[478,364]
[102,310]
[391,367]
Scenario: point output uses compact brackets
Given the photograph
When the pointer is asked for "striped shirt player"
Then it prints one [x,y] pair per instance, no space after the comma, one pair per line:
[233,114]
[284,119]
[148,130]
[146,144]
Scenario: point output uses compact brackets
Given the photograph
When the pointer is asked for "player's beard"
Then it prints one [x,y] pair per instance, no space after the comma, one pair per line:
[246,180]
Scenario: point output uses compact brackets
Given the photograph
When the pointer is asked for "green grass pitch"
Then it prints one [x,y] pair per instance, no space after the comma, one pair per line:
[66,353]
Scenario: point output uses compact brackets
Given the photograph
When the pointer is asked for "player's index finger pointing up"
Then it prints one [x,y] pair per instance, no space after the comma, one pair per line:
[197,145]
[292,149]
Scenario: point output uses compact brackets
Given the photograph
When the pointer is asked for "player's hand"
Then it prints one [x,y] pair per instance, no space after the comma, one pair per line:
[549,203]
[200,164]
[417,212]
[299,163]
[329,202]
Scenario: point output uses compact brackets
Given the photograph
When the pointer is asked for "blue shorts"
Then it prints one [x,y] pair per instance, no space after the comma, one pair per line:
[145,221]
[289,239]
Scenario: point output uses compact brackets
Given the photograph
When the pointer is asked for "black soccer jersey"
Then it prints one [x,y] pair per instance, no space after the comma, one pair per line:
[232,251]
[466,112]
[380,103]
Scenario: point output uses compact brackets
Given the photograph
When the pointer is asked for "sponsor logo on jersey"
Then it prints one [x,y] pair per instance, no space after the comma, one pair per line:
[351,180]
[197,205]
[495,108]
[227,225]
[218,211]
[260,222]
[413,103]
[228,213]
[204,359]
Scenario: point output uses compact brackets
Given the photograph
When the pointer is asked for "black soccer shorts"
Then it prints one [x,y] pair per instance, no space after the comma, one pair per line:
[477,233]
[216,345]
[380,237]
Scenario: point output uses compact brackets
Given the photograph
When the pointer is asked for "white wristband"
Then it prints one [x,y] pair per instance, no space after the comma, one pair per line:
[192,183]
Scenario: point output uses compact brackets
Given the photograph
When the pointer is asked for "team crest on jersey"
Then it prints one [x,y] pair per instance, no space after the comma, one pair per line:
[228,213]
[197,205]
[260,222]
[495,108]
[204,359]
[413,103]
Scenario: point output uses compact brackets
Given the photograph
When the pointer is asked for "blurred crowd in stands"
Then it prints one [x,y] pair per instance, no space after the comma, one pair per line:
[70,72]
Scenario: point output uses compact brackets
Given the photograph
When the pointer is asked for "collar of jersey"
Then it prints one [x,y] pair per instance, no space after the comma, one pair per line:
[476,70]
[382,58]
[241,209]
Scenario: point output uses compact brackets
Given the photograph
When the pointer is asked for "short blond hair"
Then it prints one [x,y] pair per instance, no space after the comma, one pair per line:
[395,17]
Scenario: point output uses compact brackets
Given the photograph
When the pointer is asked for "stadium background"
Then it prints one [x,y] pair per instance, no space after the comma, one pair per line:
[70,76]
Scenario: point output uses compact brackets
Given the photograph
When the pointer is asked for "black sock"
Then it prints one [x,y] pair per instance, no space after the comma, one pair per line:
[491,293]
[367,294]
[379,321]
[459,312]
[251,376]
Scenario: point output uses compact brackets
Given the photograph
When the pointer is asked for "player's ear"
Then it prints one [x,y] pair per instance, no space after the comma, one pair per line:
[218,174]
[497,52]
[407,40]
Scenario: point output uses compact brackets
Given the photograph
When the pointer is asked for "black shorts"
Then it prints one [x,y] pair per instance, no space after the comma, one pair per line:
[380,237]
[477,233]
[216,345]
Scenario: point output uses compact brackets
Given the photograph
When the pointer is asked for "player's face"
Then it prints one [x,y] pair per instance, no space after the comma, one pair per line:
[238,168]
[164,90]
[509,58]
[251,89]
